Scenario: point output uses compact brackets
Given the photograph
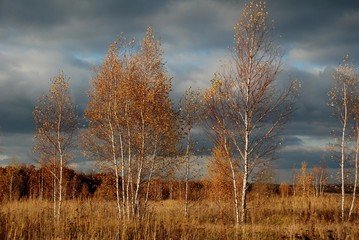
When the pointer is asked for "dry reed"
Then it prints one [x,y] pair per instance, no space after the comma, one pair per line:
[270,217]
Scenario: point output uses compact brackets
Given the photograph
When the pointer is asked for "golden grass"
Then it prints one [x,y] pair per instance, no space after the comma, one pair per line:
[269,218]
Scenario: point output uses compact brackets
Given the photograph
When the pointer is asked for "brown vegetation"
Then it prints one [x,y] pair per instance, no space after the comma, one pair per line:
[89,211]
[273,218]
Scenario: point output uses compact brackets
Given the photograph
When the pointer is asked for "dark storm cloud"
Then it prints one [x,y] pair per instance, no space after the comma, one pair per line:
[35,14]
[92,25]
[39,38]
[16,117]
[292,140]
[38,14]
[293,158]
[318,32]
[313,115]
[72,25]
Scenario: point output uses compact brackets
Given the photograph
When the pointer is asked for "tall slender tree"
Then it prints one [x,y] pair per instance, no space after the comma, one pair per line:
[356,162]
[56,123]
[132,124]
[189,110]
[343,101]
[216,121]
[254,108]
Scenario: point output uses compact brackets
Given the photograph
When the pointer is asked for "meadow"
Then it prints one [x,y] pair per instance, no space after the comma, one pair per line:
[270,217]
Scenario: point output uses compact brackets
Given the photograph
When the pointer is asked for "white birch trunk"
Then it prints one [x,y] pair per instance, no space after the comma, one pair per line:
[61,167]
[234,180]
[123,178]
[60,190]
[54,192]
[343,148]
[115,164]
[356,175]
[321,183]
[129,198]
[150,176]
[140,167]
[129,168]
[247,121]
[138,182]
[187,172]
[244,184]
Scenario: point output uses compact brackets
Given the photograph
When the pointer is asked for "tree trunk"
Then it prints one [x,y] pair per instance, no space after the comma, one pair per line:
[129,190]
[244,193]
[60,190]
[234,180]
[356,174]
[115,164]
[187,172]
[54,189]
[59,145]
[247,123]
[343,148]
[123,178]
[150,176]
[140,166]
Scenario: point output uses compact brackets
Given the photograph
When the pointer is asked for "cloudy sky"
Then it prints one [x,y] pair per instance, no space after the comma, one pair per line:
[39,38]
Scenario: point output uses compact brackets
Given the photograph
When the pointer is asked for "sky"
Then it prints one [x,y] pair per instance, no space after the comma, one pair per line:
[39,38]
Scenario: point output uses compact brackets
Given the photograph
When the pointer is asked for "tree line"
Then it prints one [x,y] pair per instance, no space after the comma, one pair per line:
[21,182]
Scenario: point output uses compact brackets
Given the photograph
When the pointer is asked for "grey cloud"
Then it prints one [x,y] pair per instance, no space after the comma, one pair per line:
[198,24]
[17,145]
[312,117]
[92,25]
[320,32]
[292,140]
[294,159]
[33,14]
[40,38]
[25,76]
[38,14]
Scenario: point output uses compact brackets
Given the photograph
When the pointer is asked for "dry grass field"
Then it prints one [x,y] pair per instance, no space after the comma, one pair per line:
[271,217]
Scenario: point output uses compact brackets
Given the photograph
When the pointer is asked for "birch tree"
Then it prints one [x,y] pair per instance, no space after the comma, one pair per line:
[342,98]
[356,160]
[56,123]
[216,121]
[131,119]
[104,112]
[320,178]
[189,110]
[255,109]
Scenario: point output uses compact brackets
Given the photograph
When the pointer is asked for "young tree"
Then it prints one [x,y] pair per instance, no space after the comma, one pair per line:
[356,136]
[132,125]
[216,121]
[356,165]
[189,110]
[56,124]
[222,176]
[254,108]
[304,181]
[320,178]
[104,138]
[342,97]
